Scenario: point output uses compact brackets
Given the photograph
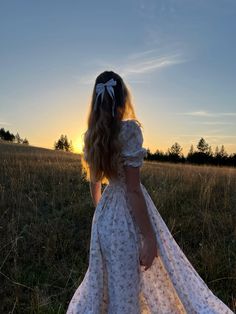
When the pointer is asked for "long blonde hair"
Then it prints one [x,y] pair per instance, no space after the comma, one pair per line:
[101,150]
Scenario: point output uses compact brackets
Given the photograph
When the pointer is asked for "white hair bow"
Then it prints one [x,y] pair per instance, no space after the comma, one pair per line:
[100,90]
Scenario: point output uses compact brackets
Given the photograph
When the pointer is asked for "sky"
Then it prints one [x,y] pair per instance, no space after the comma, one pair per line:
[176,56]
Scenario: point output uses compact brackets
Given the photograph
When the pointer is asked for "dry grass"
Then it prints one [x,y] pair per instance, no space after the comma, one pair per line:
[46,214]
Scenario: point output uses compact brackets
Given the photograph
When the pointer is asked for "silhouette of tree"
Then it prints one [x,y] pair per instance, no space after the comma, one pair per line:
[6,135]
[174,153]
[202,146]
[232,160]
[222,157]
[148,154]
[191,150]
[175,149]
[71,147]
[210,152]
[159,155]
[204,155]
[223,152]
[63,144]
[216,151]
[18,139]
[59,144]
[148,151]
[2,133]
[25,141]
[190,155]
[9,136]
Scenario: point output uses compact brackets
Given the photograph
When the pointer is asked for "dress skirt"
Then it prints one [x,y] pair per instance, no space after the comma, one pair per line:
[116,283]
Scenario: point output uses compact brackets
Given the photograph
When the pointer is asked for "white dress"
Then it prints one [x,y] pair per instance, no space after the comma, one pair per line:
[115,283]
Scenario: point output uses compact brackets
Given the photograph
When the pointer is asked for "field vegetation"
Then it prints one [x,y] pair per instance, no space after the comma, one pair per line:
[46,214]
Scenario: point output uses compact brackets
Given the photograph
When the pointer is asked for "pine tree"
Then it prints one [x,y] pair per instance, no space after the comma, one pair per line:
[222,152]
[63,144]
[202,146]
[175,149]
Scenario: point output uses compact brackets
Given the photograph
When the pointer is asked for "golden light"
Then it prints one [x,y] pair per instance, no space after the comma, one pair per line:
[78,145]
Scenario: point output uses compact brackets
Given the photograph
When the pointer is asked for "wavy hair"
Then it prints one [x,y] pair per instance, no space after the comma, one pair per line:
[101,150]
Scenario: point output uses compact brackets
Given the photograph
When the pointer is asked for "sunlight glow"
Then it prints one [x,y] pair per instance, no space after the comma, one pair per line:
[78,145]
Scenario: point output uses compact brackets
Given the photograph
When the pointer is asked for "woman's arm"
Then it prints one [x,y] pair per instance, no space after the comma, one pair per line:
[137,200]
[149,249]
[95,190]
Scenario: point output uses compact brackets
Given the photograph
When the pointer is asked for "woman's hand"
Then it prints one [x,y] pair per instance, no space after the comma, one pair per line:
[149,251]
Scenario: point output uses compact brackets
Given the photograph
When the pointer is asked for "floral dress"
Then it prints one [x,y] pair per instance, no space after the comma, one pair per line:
[115,282]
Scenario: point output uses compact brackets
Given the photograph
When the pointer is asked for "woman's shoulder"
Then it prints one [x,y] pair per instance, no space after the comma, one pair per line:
[131,123]
[130,128]
[132,140]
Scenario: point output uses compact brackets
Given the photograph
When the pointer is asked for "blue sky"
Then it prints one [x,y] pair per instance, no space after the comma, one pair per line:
[177,57]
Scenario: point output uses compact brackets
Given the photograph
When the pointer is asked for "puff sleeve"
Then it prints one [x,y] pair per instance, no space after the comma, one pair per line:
[132,152]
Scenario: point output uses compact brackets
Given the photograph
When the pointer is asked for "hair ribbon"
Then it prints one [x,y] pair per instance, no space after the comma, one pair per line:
[100,90]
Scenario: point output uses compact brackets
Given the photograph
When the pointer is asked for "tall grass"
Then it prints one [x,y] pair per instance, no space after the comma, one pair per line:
[46,215]
[198,203]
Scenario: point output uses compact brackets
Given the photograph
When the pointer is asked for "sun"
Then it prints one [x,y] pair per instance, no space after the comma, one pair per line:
[78,145]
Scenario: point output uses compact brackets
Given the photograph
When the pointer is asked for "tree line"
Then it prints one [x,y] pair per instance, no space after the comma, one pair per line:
[203,154]
[61,144]
[10,137]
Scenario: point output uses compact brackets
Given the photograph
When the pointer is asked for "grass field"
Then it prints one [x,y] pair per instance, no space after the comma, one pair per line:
[46,214]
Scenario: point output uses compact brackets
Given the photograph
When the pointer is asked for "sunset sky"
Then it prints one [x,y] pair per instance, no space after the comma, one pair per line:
[177,57]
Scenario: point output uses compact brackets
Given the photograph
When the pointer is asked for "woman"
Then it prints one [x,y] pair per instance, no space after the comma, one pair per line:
[135,264]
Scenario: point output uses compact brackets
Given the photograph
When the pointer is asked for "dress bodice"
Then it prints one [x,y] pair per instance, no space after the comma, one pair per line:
[132,152]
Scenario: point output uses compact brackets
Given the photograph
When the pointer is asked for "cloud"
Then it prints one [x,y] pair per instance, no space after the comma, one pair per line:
[4,123]
[150,65]
[137,55]
[213,122]
[208,114]
[207,136]
[135,65]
